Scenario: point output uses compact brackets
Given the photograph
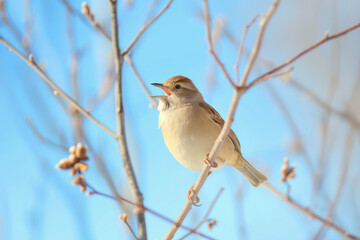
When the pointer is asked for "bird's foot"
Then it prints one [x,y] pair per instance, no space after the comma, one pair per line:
[207,161]
[196,200]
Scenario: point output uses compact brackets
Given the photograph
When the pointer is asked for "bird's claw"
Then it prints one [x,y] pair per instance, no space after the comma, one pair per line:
[207,162]
[196,200]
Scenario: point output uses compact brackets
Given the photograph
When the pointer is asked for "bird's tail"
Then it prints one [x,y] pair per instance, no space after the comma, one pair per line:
[252,175]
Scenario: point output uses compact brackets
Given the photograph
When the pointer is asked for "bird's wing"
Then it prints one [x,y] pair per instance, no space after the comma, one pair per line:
[219,121]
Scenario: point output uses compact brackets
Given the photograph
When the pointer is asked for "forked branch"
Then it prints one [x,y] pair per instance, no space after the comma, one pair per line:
[241,47]
[325,39]
[143,28]
[142,208]
[120,121]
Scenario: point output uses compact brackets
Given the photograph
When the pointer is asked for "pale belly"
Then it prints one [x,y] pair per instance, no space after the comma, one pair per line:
[190,135]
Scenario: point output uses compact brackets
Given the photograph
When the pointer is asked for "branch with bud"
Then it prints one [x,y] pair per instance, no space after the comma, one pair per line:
[76,164]
[287,172]
[85,10]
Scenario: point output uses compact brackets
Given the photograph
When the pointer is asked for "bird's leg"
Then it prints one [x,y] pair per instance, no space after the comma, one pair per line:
[207,161]
[197,199]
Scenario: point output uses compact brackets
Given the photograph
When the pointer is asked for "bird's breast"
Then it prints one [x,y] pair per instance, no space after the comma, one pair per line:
[189,135]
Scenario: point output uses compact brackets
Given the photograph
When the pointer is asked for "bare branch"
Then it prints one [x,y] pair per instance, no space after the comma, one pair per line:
[325,39]
[211,45]
[308,212]
[120,121]
[340,113]
[141,81]
[256,49]
[241,47]
[297,85]
[56,88]
[143,28]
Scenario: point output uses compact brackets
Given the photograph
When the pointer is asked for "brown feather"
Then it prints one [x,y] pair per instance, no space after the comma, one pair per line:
[218,120]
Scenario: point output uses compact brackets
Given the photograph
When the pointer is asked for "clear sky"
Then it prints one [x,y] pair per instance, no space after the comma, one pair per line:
[37,200]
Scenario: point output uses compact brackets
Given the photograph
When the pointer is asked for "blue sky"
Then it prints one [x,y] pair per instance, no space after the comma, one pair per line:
[37,200]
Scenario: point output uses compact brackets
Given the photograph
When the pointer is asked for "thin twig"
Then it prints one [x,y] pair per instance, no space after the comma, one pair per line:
[205,218]
[326,38]
[256,49]
[238,92]
[76,55]
[324,104]
[120,121]
[241,47]
[143,28]
[340,113]
[132,231]
[56,88]
[280,74]
[130,228]
[297,85]
[211,45]
[142,207]
[44,139]
[14,30]
[151,10]
[101,29]
[308,212]
[141,81]
[86,20]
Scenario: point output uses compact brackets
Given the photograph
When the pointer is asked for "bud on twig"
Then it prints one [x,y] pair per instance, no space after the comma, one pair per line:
[31,58]
[82,167]
[212,223]
[85,9]
[123,217]
[286,172]
[138,210]
[64,164]
[80,151]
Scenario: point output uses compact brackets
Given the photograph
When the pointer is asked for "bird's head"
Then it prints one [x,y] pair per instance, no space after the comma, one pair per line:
[179,90]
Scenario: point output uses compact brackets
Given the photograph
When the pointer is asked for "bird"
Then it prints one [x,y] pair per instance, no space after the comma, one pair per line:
[190,127]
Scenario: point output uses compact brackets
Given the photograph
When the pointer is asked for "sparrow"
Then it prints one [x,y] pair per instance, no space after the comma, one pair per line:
[190,127]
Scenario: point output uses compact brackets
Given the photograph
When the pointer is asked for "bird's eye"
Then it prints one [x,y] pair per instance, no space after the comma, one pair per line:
[177,86]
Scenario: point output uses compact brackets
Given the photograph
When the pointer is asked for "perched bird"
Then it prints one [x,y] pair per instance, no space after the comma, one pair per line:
[190,127]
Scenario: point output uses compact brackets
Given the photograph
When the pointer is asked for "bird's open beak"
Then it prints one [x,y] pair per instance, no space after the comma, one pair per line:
[164,88]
